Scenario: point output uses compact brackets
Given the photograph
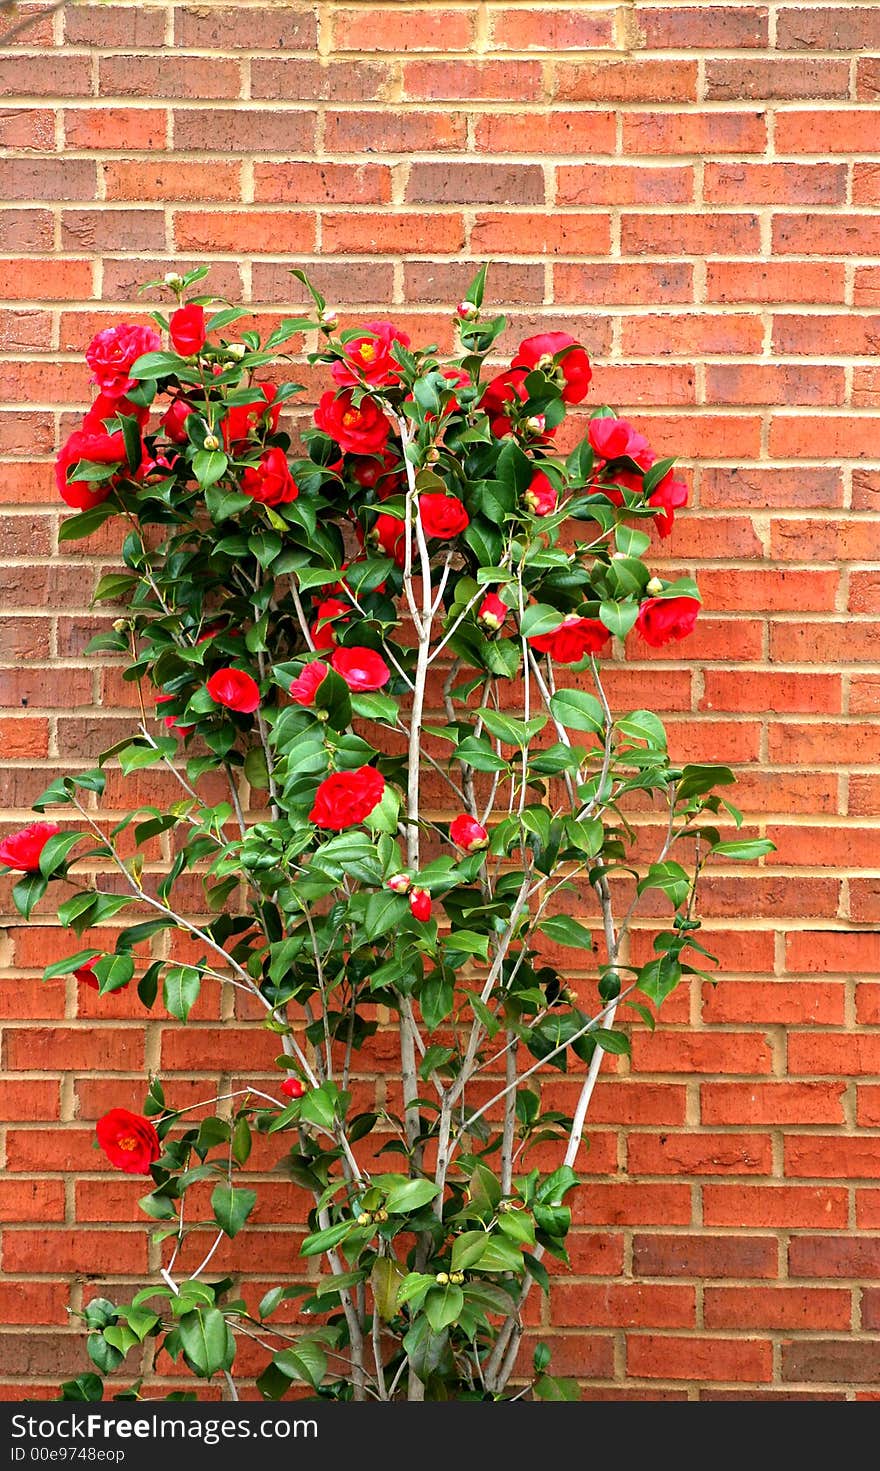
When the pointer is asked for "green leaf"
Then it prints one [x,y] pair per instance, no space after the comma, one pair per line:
[74,528]
[747,849]
[231,1207]
[180,990]
[619,618]
[477,1250]
[307,1362]
[207,1341]
[27,893]
[643,725]
[659,978]
[670,878]
[157,365]
[411,1195]
[518,1226]
[436,998]
[616,1042]
[385,1280]
[208,465]
[86,1387]
[385,910]
[539,618]
[113,972]
[578,711]
[321,1241]
[566,931]
[443,1306]
[587,835]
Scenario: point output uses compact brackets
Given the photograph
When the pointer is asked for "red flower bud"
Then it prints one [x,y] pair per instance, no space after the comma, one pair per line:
[465,832]
[661,620]
[187,330]
[304,689]
[293,1088]
[492,611]
[362,669]
[420,904]
[399,882]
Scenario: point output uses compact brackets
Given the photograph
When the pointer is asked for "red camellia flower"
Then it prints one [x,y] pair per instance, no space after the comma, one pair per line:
[362,669]
[111,353]
[187,330]
[574,638]
[346,798]
[442,516]
[304,689]
[21,851]
[252,419]
[670,495]
[129,1141]
[492,611]
[173,421]
[358,430]
[557,352]
[465,832]
[388,533]
[420,904]
[499,395]
[323,635]
[368,358]
[613,438]
[270,482]
[661,620]
[235,689]
[95,445]
[540,497]
[293,1088]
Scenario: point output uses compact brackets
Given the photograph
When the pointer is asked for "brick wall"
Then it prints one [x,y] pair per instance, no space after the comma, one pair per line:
[693,189]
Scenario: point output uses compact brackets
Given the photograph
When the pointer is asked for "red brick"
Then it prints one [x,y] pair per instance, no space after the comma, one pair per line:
[394,28]
[475,183]
[609,283]
[32,1200]
[833,951]
[633,80]
[700,1052]
[759,79]
[839,1361]
[384,133]
[704,234]
[705,1255]
[832,234]
[172,77]
[714,27]
[633,1205]
[27,127]
[261,231]
[364,234]
[692,132]
[691,334]
[651,1356]
[573,234]
[554,133]
[115,25]
[834,1055]
[787,1003]
[774,183]
[699,1154]
[829,1156]
[624,1305]
[172,180]
[131,129]
[781,692]
[834,1256]
[449,81]
[74,1251]
[771,1103]
[777,1308]
[827,28]
[47,76]
[287,28]
[782,1206]
[537,28]
[774,281]
[773,383]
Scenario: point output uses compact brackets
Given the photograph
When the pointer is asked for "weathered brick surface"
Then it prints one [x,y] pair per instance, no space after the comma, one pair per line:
[694,189]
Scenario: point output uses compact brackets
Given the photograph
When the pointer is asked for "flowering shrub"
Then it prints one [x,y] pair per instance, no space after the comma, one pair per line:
[356,635]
